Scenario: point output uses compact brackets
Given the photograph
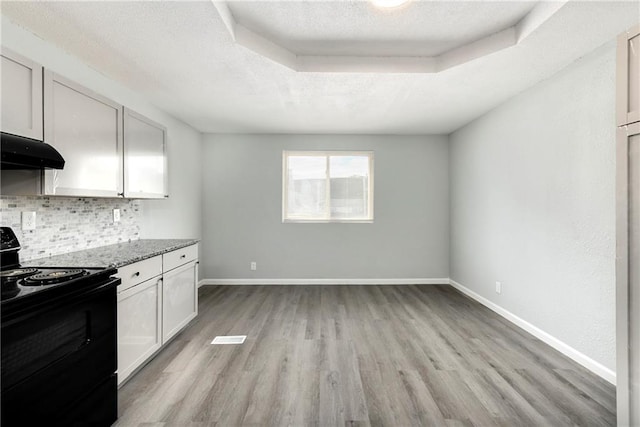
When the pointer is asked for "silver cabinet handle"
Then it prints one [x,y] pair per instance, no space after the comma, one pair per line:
[136,274]
[183,256]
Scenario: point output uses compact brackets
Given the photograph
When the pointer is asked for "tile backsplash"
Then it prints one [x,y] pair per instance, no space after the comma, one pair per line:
[67,224]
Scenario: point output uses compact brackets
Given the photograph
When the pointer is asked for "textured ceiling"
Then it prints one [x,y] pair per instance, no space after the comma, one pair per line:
[181,56]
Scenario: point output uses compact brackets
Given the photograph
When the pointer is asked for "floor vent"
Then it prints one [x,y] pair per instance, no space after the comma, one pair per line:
[229,339]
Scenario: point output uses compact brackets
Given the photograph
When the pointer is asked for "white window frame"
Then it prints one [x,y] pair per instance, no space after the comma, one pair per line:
[289,153]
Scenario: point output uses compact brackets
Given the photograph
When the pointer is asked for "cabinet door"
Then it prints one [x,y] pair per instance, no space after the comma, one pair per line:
[628,78]
[179,299]
[145,157]
[628,275]
[139,325]
[86,128]
[21,95]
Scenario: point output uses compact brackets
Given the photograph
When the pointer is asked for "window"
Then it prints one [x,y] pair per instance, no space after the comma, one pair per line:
[327,186]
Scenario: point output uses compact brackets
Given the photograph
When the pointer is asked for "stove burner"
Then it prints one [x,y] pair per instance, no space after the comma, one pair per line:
[9,291]
[52,277]
[9,280]
[17,273]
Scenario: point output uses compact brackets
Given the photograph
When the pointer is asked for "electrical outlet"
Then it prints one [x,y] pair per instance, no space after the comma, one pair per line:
[28,221]
[254,266]
[498,287]
[116,215]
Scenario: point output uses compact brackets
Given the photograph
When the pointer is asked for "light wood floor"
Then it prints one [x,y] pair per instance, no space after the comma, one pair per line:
[359,355]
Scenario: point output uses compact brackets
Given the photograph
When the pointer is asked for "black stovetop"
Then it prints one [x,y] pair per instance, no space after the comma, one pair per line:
[25,287]
[27,298]
[23,282]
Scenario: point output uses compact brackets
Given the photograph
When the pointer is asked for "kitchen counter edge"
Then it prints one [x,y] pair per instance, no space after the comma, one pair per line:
[115,256]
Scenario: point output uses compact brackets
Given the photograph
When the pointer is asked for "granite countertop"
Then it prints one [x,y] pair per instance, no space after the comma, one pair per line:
[113,255]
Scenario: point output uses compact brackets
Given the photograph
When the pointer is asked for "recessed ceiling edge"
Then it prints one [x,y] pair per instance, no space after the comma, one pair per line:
[503,39]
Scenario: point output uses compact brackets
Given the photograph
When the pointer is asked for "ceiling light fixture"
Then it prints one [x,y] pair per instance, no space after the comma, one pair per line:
[388,4]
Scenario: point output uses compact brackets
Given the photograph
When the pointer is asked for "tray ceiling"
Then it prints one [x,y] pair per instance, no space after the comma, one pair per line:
[359,28]
[340,36]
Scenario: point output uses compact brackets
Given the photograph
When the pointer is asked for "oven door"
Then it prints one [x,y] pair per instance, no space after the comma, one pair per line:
[56,358]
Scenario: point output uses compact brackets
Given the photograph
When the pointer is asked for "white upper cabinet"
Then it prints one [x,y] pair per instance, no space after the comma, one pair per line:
[145,157]
[109,150]
[628,78]
[21,95]
[86,128]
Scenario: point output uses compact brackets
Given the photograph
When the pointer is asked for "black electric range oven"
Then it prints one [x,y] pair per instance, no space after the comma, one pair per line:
[58,343]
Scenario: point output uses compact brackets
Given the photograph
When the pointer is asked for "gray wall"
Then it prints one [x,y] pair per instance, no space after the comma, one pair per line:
[533,206]
[242,196]
[180,216]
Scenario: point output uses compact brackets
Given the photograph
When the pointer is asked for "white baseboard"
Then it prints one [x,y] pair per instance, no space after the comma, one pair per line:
[570,352]
[419,281]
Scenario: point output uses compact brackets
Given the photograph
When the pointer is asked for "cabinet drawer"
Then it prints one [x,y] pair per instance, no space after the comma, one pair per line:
[138,272]
[176,258]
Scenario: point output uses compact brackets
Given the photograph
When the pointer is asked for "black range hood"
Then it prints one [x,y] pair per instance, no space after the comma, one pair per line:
[19,152]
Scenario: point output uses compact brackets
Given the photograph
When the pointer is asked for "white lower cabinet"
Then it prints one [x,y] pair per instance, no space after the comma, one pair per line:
[139,325]
[157,298]
[179,299]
